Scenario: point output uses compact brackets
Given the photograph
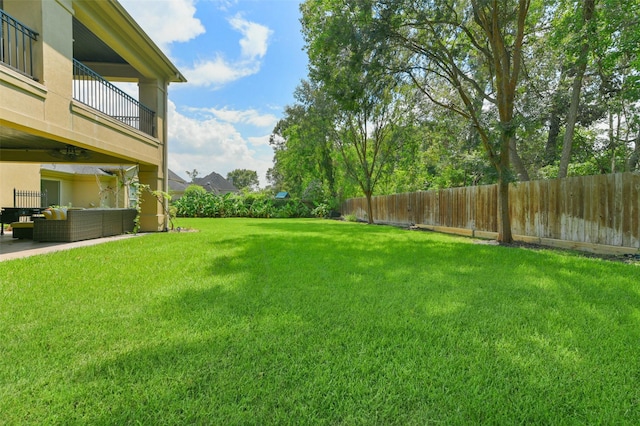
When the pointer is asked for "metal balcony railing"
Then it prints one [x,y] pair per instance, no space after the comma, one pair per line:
[94,91]
[16,45]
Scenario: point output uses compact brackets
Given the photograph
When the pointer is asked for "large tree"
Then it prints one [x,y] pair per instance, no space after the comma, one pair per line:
[460,53]
[585,30]
[303,145]
[244,179]
[347,62]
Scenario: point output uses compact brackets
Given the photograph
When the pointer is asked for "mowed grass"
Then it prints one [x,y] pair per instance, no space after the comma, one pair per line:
[317,322]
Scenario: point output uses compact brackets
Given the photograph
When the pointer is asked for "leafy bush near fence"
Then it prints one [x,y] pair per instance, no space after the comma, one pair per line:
[197,202]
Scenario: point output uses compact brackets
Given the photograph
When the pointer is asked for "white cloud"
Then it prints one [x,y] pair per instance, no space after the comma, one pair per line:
[255,38]
[211,145]
[171,21]
[251,116]
[260,140]
[219,71]
[225,4]
[166,22]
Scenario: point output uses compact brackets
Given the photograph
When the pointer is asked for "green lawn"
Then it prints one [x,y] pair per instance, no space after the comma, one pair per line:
[317,322]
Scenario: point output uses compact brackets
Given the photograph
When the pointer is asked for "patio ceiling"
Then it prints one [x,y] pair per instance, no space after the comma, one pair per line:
[18,146]
[87,47]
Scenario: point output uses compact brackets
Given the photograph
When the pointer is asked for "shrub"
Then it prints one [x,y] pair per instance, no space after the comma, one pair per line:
[293,208]
[350,218]
[262,209]
[322,210]
[196,202]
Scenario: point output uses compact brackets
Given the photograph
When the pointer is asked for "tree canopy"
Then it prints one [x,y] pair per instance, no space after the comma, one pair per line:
[409,95]
[244,179]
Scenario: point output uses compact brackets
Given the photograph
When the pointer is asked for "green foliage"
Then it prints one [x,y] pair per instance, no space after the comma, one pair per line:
[196,202]
[588,168]
[303,146]
[475,91]
[292,208]
[350,218]
[194,190]
[244,179]
[163,198]
[322,210]
[200,203]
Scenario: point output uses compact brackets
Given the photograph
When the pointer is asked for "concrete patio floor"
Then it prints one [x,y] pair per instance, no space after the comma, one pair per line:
[14,248]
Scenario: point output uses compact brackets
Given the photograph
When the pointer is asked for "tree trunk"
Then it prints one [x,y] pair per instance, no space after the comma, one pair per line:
[516,161]
[634,158]
[567,143]
[550,149]
[504,220]
[612,140]
[369,208]
[552,138]
[576,87]
[555,121]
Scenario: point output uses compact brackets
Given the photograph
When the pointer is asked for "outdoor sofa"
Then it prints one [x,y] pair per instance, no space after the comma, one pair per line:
[83,224]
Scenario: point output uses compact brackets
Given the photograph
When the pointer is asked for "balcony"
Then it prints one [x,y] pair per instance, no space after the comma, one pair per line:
[16,45]
[94,91]
[89,88]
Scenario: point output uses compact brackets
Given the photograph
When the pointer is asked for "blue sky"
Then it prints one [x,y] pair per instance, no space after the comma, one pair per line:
[243,60]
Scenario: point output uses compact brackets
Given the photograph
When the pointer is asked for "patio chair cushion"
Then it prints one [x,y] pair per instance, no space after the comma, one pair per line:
[22,230]
[55,214]
[21,225]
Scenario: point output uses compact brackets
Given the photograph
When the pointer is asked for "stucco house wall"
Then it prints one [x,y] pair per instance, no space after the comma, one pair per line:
[44,116]
[19,176]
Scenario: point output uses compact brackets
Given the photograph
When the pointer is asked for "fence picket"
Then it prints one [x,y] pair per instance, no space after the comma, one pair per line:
[602,209]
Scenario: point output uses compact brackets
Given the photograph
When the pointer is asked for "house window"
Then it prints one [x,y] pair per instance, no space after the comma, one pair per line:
[53,191]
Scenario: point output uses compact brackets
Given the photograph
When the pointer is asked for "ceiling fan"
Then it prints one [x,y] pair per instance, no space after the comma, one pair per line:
[71,153]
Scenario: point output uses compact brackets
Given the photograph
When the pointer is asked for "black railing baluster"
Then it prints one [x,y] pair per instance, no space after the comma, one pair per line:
[15,39]
[25,198]
[16,52]
[93,90]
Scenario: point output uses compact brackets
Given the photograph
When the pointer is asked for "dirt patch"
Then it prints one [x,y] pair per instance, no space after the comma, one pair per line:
[633,259]
[624,258]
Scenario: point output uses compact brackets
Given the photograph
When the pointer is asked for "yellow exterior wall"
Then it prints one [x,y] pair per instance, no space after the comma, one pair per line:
[84,191]
[19,176]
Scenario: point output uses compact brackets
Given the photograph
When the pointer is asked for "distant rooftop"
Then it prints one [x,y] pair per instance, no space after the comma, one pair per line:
[215,183]
[176,183]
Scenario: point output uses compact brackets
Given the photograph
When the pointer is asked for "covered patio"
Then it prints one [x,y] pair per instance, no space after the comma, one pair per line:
[61,79]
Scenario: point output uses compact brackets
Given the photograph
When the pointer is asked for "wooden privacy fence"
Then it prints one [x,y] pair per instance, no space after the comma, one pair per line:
[593,213]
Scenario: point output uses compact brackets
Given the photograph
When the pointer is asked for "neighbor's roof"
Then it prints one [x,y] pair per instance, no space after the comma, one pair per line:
[176,183]
[215,183]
